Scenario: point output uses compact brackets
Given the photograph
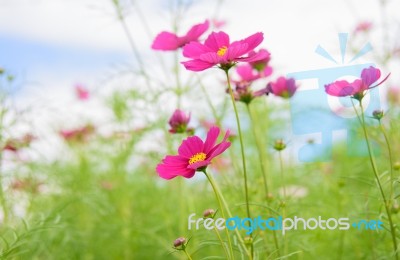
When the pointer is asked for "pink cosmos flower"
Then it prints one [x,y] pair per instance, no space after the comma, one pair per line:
[178,122]
[218,23]
[364,26]
[167,41]
[247,75]
[282,87]
[15,144]
[262,65]
[394,95]
[218,50]
[193,155]
[78,135]
[357,88]
[81,92]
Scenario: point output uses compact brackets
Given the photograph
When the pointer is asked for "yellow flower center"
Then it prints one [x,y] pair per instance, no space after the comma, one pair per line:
[198,157]
[222,51]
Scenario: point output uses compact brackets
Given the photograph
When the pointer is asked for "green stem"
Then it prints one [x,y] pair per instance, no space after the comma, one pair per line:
[221,208]
[390,160]
[209,103]
[375,170]
[188,256]
[241,149]
[241,143]
[285,240]
[178,81]
[261,156]
[222,202]
[3,200]
[222,243]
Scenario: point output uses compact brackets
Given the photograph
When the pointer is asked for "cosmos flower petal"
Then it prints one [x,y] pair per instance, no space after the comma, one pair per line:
[196,31]
[267,71]
[218,149]
[253,41]
[236,50]
[246,73]
[175,160]
[165,41]
[197,65]
[370,75]
[343,88]
[190,146]
[216,40]
[167,172]
[212,136]
[194,50]
[257,56]
[211,57]
[197,165]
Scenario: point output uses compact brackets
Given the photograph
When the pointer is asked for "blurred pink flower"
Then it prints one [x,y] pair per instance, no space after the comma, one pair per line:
[218,23]
[394,95]
[178,122]
[262,65]
[15,144]
[242,91]
[81,92]
[364,26]
[77,135]
[282,87]
[193,155]
[167,41]
[356,89]
[217,50]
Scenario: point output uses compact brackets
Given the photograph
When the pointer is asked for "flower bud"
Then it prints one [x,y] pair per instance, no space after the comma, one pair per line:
[396,166]
[178,122]
[377,114]
[180,243]
[209,213]
[279,145]
[395,208]
[248,241]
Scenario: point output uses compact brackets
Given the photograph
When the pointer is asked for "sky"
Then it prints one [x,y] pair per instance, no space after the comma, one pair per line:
[51,45]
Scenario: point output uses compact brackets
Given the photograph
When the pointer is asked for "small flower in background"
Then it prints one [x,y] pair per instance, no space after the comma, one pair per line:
[193,155]
[396,166]
[242,91]
[357,88]
[1,71]
[180,243]
[209,213]
[262,65]
[27,185]
[15,144]
[167,41]
[279,145]
[378,114]
[218,50]
[294,191]
[106,185]
[283,87]
[178,122]
[82,93]
[363,27]
[393,95]
[78,135]
[217,24]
